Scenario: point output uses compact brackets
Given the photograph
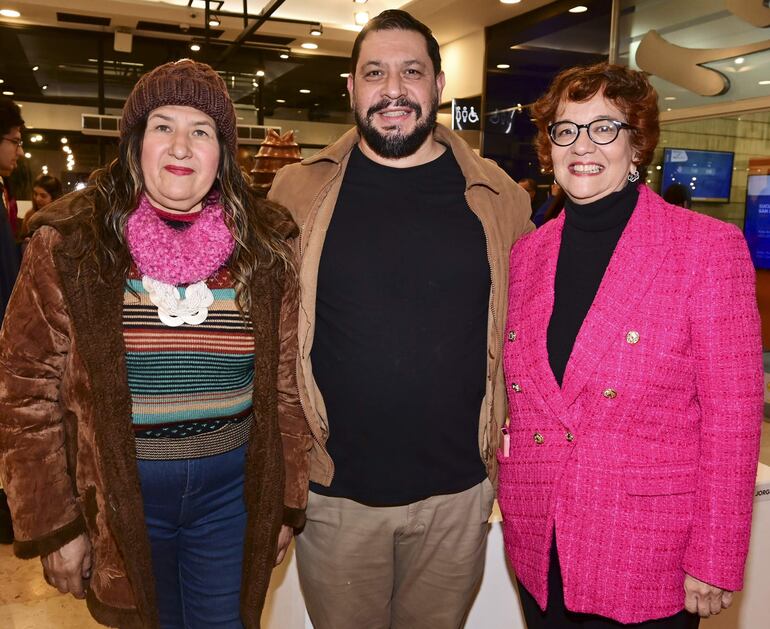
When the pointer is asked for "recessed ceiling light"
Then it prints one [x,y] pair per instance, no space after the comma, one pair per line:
[739,60]
[27,155]
[316,32]
[7,93]
[345,75]
[44,87]
[503,66]
[195,47]
[35,68]
[304,91]
[9,13]
[309,45]
[670,98]
[214,21]
[284,56]
[64,140]
[2,81]
[578,9]
[260,73]
[360,1]
[280,100]
[764,82]
[361,17]
[668,108]
[510,1]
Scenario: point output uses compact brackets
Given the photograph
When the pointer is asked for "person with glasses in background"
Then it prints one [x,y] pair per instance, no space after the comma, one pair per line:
[11,124]
[633,367]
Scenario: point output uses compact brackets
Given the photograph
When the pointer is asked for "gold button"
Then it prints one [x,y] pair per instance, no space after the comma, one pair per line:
[516,387]
[538,438]
[610,394]
[632,337]
[570,437]
[512,336]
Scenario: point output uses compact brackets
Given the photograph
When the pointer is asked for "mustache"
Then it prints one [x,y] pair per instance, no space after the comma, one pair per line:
[399,102]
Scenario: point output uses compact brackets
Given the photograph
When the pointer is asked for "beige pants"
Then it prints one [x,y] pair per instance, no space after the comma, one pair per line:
[411,567]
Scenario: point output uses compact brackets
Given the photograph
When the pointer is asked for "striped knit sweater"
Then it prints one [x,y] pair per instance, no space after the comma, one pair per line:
[191,386]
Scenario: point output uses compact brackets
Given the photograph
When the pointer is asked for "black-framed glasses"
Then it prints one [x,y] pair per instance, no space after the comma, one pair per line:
[601,131]
[17,141]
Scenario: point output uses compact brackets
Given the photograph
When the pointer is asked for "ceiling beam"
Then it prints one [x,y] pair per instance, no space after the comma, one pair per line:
[269,9]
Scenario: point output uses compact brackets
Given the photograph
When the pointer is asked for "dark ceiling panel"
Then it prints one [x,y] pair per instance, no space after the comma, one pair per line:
[75,18]
[160,27]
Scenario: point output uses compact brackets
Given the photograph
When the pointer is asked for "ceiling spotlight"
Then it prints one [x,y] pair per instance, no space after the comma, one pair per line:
[503,66]
[44,87]
[304,91]
[284,56]
[760,83]
[45,170]
[195,47]
[578,9]
[36,68]
[360,1]
[316,31]
[309,45]
[361,17]
[67,150]
[214,21]
[280,100]
[33,139]
[64,140]
[260,73]
[345,75]
[27,155]
[9,13]
[7,93]
[510,1]
[670,98]
[739,60]
[2,81]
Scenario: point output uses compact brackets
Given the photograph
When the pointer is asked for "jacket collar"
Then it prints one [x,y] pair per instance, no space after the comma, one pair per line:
[468,161]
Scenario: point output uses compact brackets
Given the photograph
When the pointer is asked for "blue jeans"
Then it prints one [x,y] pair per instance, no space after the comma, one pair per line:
[196,520]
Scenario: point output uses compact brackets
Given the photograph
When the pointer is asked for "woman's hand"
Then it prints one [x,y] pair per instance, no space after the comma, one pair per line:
[66,568]
[284,539]
[704,599]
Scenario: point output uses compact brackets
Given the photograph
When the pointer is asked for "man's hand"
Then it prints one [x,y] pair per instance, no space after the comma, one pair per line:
[284,539]
[66,568]
[704,599]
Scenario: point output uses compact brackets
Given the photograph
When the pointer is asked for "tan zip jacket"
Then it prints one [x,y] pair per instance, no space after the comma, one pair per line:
[309,191]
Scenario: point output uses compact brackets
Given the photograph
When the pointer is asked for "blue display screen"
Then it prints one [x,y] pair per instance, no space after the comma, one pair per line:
[756,227]
[708,174]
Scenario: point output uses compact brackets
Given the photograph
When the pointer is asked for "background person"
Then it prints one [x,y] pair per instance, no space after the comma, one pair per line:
[634,373]
[406,234]
[147,374]
[678,194]
[45,190]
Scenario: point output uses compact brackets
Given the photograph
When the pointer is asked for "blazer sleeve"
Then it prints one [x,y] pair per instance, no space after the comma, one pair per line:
[295,432]
[726,342]
[34,346]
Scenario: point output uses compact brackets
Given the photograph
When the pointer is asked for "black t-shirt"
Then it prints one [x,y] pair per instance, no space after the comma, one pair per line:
[399,351]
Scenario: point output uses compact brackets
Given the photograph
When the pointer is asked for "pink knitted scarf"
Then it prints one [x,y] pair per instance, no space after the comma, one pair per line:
[178,257]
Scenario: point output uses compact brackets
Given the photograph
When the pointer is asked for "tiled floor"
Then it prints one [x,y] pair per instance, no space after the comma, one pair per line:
[27,602]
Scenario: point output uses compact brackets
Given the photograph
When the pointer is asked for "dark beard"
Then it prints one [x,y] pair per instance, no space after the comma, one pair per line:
[396,145]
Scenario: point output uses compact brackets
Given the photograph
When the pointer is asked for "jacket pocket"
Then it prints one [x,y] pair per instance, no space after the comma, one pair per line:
[666,479]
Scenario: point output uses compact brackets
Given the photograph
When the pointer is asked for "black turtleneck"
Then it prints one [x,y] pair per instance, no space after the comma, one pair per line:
[591,232]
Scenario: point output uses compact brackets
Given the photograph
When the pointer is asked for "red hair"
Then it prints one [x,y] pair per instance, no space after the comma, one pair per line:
[628,90]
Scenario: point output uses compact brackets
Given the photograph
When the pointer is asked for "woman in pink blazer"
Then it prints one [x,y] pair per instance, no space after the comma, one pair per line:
[633,366]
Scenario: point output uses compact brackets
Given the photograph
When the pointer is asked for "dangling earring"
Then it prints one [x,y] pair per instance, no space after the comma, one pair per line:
[634,176]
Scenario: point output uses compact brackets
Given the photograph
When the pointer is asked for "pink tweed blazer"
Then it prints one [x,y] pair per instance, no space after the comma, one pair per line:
[644,460]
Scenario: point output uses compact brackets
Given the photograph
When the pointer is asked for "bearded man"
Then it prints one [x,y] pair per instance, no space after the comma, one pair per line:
[405,236]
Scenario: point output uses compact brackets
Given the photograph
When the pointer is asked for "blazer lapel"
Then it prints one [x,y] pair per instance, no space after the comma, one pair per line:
[634,264]
[537,306]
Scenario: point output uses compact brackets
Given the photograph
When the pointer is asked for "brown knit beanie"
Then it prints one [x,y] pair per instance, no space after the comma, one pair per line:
[183,82]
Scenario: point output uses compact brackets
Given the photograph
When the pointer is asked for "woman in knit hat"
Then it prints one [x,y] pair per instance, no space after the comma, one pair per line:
[154,450]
